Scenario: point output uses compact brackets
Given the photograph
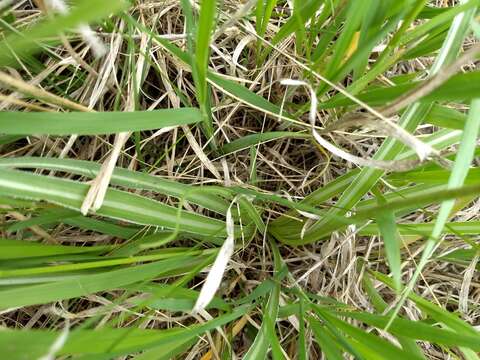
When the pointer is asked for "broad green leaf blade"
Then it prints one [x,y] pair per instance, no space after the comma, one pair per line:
[118,204]
[94,123]
[206,196]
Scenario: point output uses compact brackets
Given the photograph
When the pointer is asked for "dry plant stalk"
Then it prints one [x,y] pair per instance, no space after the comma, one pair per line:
[98,188]
[37,92]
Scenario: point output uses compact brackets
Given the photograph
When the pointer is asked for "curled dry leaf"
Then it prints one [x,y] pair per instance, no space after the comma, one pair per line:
[423,150]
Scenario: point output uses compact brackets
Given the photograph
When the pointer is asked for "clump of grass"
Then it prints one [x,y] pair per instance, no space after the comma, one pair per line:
[244,218]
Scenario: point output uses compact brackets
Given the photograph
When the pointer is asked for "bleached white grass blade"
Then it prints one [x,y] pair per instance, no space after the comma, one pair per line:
[98,189]
[214,277]
[466,285]
[57,344]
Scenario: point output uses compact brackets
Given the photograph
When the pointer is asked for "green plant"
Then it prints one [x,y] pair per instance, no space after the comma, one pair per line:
[350,200]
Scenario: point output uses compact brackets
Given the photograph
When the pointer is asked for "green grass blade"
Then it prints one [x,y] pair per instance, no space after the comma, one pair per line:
[459,172]
[461,166]
[91,283]
[118,204]
[207,197]
[368,344]
[106,341]
[419,331]
[94,123]
[17,249]
[205,26]
[391,241]
[391,148]
[259,138]
[261,344]
[325,340]
[425,229]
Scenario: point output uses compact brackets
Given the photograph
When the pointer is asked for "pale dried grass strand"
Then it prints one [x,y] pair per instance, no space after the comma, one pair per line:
[215,275]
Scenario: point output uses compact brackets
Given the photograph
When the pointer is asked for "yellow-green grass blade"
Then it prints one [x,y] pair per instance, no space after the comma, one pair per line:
[16,249]
[391,241]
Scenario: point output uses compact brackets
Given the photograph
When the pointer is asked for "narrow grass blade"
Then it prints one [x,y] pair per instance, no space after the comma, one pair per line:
[261,344]
[107,343]
[391,241]
[17,249]
[325,340]
[90,283]
[204,29]
[391,148]
[368,344]
[419,331]
[261,138]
